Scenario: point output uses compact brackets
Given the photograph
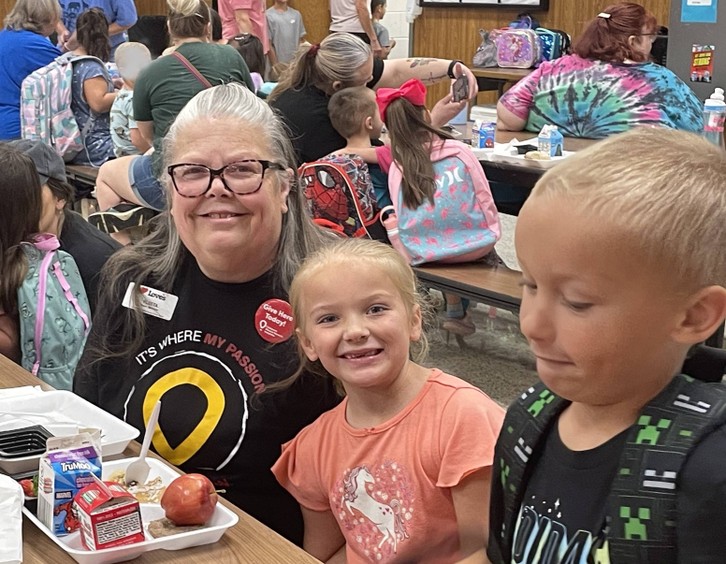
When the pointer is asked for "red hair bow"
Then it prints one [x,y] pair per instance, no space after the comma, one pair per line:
[412,90]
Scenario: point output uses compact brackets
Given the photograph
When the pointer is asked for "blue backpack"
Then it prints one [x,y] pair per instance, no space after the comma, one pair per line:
[462,223]
[53,311]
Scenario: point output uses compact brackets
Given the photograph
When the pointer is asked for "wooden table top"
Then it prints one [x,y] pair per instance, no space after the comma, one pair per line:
[249,541]
[496,73]
[570,143]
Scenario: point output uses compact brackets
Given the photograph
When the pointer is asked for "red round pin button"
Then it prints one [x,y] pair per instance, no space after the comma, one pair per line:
[274,321]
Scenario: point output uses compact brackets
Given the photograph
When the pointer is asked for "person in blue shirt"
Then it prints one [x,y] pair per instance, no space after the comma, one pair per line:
[24,48]
[121,15]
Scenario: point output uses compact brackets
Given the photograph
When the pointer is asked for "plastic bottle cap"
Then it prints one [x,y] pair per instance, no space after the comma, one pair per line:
[716,101]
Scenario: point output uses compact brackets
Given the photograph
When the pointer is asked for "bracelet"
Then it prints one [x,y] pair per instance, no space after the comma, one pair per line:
[450,72]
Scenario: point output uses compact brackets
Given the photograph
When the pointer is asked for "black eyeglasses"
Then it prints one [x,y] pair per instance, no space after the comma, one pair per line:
[241,177]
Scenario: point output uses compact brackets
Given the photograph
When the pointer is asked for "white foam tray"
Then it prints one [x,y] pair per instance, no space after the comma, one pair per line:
[501,153]
[221,520]
[61,412]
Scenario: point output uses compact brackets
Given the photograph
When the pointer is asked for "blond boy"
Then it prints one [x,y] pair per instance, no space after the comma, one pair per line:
[612,457]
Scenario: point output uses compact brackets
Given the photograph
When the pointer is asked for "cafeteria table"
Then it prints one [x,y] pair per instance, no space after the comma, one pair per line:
[247,542]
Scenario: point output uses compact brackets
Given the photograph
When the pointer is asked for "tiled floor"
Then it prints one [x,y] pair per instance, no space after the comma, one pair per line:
[496,358]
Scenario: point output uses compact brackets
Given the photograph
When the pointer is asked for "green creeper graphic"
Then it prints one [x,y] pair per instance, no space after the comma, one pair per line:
[634,526]
[504,473]
[649,434]
[545,397]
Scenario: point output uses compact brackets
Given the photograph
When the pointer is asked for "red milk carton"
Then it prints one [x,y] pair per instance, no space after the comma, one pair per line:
[109,516]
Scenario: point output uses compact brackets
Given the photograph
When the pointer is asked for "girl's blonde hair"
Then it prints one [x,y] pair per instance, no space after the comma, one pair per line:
[411,139]
[189,18]
[344,254]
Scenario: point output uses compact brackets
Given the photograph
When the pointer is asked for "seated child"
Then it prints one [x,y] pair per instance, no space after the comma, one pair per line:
[131,59]
[445,211]
[398,470]
[354,114]
[614,457]
[378,10]
[250,47]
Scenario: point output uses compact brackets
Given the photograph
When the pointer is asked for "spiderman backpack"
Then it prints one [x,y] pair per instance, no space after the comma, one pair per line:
[340,196]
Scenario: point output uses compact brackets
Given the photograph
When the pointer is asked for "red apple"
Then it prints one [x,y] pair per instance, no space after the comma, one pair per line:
[189,500]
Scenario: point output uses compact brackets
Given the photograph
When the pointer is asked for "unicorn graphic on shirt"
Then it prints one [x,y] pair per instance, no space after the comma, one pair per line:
[386,517]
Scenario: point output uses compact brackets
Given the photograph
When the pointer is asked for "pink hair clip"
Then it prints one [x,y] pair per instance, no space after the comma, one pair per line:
[604,15]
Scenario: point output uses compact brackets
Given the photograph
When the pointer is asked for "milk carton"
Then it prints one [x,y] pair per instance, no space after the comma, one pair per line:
[109,516]
[550,141]
[65,469]
[482,134]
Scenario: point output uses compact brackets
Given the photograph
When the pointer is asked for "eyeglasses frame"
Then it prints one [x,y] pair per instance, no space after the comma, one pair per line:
[219,172]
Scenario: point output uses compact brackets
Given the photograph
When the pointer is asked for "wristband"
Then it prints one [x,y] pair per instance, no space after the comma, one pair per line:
[450,72]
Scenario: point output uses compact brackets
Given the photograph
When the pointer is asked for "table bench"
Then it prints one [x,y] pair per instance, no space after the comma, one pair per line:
[494,286]
[83,178]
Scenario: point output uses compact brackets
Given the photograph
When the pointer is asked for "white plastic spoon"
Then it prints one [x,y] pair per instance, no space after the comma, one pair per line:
[138,470]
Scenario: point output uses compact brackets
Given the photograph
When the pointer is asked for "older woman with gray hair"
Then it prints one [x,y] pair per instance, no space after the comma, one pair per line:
[196,315]
[24,48]
[341,60]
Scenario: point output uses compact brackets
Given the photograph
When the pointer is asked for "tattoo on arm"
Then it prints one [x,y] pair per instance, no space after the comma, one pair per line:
[420,62]
[432,79]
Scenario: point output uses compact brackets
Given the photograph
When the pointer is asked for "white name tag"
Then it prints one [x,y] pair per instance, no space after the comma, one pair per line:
[153,302]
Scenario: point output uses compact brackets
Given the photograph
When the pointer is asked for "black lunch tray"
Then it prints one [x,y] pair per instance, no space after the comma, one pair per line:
[27,441]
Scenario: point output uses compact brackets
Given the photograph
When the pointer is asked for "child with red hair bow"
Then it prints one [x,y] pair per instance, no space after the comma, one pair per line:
[444,210]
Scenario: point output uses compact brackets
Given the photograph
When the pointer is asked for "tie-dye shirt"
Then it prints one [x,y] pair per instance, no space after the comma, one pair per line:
[595,99]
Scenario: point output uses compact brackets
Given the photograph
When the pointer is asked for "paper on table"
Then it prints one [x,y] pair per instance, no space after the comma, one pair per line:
[11,521]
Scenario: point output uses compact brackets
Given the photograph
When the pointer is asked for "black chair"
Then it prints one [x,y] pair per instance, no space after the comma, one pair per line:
[707,364]
[152,32]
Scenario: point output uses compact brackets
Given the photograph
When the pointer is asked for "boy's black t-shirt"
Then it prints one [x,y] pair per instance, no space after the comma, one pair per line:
[562,517]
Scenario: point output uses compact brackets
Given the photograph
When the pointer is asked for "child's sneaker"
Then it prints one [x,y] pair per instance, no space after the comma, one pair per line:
[123,216]
[462,327]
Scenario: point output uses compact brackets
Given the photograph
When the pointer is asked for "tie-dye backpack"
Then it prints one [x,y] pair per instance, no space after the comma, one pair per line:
[45,107]
[462,223]
[53,311]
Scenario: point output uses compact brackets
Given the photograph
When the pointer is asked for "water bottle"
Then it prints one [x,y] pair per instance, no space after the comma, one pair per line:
[714,114]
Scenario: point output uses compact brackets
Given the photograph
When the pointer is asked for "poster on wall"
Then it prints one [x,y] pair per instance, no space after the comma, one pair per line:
[702,63]
[699,11]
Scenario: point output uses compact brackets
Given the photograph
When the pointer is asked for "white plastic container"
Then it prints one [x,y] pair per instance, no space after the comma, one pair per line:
[61,412]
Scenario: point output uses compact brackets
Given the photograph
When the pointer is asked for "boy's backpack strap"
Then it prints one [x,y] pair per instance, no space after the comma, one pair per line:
[526,424]
[642,502]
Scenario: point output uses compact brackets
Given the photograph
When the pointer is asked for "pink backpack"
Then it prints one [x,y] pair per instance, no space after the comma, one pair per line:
[518,48]
[45,107]
[461,225]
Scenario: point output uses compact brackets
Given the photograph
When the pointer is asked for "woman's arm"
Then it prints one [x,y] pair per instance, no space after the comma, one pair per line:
[146,129]
[471,504]
[138,140]
[322,537]
[429,71]
[99,99]
[508,121]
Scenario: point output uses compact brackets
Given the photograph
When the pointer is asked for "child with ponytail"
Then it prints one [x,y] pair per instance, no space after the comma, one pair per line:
[443,210]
